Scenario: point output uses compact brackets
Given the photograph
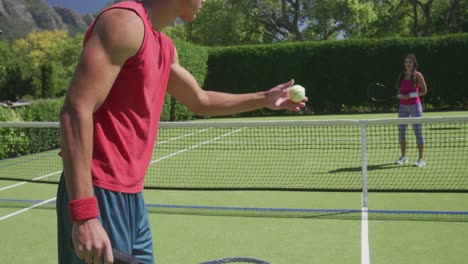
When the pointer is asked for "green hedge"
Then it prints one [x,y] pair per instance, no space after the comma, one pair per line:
[42,111]
[12,141]
[21,141]
[336,73]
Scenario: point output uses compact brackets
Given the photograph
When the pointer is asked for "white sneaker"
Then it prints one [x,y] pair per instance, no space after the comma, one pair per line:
[401,161]
[420,163]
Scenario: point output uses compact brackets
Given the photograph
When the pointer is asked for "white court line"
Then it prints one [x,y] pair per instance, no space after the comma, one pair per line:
[195,146]
[47,175]
[186,135]
[12,186]
[365,256]
[35,179]
[27,209]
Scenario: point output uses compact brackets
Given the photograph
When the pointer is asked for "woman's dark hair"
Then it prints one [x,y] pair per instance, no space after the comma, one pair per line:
[412,57]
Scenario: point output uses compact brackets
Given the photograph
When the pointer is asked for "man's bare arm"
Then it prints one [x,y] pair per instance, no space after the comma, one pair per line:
[183,86]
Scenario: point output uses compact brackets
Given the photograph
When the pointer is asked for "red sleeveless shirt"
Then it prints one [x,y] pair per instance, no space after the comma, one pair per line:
[126,124]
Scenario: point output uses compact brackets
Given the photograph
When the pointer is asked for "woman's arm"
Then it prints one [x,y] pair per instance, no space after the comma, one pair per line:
[422,83]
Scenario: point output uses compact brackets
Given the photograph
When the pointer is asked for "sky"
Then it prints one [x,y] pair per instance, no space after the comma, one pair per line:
[80,6]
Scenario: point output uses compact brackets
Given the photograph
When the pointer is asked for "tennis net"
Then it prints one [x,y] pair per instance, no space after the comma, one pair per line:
[335,155]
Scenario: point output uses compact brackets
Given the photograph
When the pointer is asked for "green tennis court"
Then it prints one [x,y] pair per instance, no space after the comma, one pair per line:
[274,212]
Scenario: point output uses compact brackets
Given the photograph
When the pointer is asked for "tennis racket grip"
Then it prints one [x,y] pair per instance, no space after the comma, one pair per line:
[119,256]
[123,258]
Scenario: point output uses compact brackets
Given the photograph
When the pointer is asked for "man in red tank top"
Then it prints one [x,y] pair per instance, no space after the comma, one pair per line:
[109,125]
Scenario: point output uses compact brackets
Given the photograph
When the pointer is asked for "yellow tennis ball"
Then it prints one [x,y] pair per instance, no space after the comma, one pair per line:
[297,93]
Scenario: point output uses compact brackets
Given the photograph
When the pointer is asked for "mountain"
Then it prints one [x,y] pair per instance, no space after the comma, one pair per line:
[82,7]
[19,17]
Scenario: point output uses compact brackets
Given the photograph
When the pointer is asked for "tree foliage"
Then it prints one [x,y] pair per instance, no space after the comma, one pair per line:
[235,22]
[225,23]
[41,46]
[38,66]
[330,19]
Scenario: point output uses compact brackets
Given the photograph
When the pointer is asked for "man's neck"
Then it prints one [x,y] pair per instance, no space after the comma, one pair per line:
[160,12]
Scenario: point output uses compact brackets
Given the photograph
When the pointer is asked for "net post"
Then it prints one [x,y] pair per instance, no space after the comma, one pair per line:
[363,125]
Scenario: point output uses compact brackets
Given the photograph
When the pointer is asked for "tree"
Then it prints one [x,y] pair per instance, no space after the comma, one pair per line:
[393,18]
[323,23]
[5,57]
[41,46]
[283,19]
[237,22]
[50,54]
[431,17]
[450,16]
[47,80]
[176,31]
[67,58]
[17,80]
[421,11]
[357,17]
[223,23]
[345,18]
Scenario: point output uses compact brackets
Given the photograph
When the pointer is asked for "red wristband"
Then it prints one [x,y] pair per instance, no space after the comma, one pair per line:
[83,209]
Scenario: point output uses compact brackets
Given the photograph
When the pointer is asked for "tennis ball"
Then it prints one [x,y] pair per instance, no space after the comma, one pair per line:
[296,93]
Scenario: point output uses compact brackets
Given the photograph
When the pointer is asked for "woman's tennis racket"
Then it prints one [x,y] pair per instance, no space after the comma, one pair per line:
[236,260]
[378,92]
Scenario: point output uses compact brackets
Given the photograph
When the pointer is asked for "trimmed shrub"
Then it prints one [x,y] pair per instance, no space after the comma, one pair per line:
[34,140]
[13,141]
[41,111]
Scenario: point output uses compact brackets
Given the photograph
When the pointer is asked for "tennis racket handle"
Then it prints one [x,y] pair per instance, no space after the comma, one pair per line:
[123,258]
[119,256]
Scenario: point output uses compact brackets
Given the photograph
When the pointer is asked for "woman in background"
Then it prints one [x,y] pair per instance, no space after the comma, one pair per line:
[411,86]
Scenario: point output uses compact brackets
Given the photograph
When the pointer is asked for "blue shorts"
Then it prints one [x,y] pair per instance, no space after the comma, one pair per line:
[124,217]
[411,111]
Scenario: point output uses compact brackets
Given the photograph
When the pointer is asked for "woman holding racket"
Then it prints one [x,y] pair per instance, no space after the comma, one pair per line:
[410,85]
